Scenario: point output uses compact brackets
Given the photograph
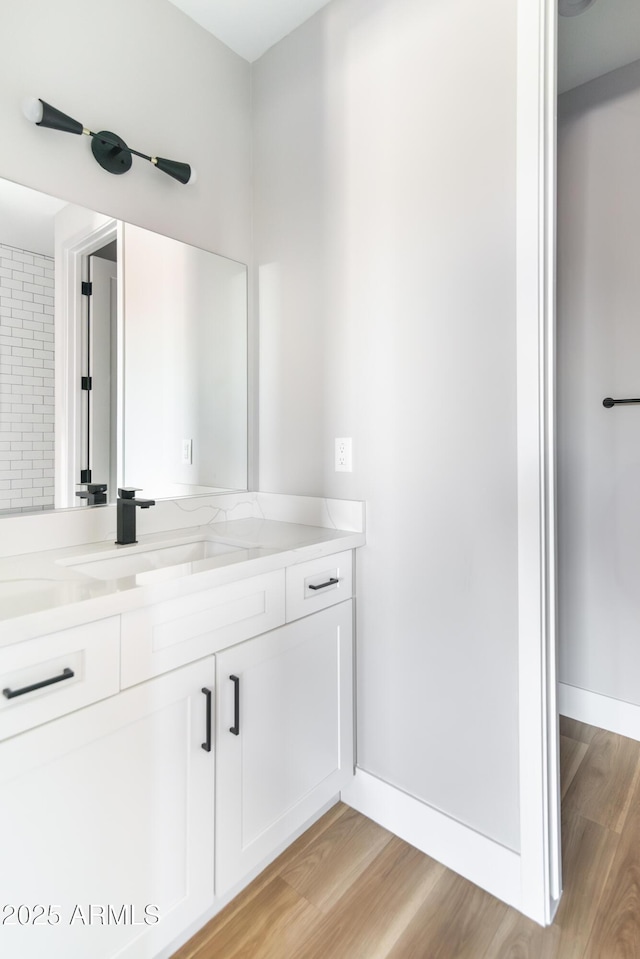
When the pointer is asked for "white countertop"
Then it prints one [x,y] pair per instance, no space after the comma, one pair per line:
[41,593]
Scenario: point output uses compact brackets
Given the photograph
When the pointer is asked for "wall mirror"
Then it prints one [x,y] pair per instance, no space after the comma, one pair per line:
[123,360]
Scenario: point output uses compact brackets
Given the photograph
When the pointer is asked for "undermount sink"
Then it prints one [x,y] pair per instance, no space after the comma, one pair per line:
[151,559]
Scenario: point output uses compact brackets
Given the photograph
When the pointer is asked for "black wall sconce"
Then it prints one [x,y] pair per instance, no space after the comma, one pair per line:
[110,150]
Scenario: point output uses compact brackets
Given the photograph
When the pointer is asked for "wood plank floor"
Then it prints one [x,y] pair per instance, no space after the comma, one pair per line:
[348,889]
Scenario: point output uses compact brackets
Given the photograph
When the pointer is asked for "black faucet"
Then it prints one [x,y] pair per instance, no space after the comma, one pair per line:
[126,507]
[95,494]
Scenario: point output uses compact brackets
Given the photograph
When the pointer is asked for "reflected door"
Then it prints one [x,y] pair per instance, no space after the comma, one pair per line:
[98,385]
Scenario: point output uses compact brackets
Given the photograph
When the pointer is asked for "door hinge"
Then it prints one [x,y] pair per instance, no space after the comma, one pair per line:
[85,476]
[86,383]
[87,288]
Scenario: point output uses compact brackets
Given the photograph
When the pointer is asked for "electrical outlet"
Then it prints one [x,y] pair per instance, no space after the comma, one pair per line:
[343,455]
[187,452]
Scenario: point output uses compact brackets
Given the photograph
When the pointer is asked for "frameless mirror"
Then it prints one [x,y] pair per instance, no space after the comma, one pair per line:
[123,359]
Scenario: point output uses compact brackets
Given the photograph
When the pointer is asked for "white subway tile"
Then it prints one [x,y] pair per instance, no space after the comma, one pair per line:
[33,270]
[22,295]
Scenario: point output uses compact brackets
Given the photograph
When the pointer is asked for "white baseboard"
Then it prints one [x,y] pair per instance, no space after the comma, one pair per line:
[598,710]
[481,860]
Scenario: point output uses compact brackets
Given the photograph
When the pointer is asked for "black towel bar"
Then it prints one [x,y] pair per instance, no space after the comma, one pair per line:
[609,402]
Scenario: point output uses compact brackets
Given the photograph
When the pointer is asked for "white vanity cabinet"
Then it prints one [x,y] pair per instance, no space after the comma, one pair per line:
[111,736]
[284,736]
[106,824]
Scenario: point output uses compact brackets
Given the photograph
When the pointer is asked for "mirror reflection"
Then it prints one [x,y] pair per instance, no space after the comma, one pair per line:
[123,360]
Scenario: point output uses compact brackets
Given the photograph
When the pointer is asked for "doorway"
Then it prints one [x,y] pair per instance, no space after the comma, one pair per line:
[97,452]
[598,357]
[598,449]
[79,239]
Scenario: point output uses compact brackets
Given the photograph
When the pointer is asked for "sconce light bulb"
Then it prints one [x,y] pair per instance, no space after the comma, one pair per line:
[193,176]
[32,109]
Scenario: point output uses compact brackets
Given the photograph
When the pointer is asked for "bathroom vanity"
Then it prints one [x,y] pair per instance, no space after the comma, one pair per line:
[173,715]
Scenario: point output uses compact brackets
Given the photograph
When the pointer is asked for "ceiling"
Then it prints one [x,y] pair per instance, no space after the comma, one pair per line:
[250,26]
[602,38]
[606,36]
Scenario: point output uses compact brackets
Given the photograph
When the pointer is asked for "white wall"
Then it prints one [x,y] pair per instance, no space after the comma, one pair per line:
[147,72]
[384,161]
[27,218]
[598,356]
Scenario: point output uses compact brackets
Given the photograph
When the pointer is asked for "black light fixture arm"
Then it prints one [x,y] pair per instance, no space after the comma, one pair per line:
[113,140]
[110,150]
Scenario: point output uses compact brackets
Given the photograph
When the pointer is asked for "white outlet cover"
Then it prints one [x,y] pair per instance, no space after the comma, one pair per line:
[343,455]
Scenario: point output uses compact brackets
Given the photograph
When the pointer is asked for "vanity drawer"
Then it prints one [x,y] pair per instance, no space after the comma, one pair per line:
[169,634]
[310,585]
[69,669]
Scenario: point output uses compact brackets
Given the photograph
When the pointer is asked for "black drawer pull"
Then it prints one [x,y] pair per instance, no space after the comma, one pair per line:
[11,693]
[207,744]
[235,729]
[330,582]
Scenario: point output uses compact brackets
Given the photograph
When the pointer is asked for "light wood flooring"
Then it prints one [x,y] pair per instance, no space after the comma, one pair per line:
[348,889]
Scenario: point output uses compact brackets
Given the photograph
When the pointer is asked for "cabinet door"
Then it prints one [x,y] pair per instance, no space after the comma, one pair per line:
[292,748]
[106,824]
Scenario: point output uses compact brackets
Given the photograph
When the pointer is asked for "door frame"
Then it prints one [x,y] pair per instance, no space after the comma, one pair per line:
[69,317]
[540,853]
[102,353]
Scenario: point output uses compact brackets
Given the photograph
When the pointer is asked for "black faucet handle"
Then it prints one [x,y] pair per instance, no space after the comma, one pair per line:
[128,492]
[95,493]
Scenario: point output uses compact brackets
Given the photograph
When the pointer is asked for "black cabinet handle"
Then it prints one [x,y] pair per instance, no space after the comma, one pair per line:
[330,582]
[235,729]
[11,693]
[207,743]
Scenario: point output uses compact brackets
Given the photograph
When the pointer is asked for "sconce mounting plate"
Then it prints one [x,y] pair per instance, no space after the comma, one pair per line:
[114,159]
